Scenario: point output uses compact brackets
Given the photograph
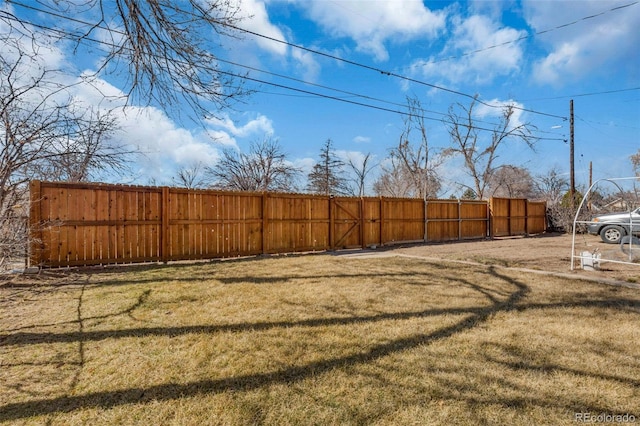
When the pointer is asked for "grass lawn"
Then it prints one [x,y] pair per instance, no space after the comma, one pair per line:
[319,339]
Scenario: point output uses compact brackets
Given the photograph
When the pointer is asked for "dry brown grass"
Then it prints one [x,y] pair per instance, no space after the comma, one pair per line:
[316,340]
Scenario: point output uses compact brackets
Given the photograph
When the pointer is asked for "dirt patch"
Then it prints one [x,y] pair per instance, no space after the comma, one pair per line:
[546,252]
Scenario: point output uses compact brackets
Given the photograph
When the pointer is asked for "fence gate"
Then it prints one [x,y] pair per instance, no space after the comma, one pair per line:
[346,218]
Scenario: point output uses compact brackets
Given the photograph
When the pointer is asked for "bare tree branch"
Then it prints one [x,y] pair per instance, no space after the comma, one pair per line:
[465,142]
[361,171]
[166,49]
[414,167]
[264,168]
[45,134]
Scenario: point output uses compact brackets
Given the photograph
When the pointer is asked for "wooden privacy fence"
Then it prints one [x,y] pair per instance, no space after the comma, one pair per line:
[89,224]
[517,216]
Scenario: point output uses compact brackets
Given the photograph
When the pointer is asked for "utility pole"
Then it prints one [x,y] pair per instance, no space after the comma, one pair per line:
[572,189]
[590,181]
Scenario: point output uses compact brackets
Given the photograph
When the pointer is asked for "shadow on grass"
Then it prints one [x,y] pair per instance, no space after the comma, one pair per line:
[29,338]
[171,391]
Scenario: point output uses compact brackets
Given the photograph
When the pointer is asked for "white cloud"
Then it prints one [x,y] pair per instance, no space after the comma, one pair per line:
[498,57]
[362,139]
[494,109]
[163,145]
[346,156]
[372,23]
[583,48]
[304,164]
[307,63]
[257,20]
[259,125]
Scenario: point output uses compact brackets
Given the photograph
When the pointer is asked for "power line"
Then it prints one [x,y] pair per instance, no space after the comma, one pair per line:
[317,52]
[64,33]
[558,27]
[605,92]
[385,72]
[607,124]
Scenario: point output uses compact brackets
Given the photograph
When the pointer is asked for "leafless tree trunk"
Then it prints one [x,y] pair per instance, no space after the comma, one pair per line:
[635,162]
[264,168]
[479,158]
[414,167]
[361,171]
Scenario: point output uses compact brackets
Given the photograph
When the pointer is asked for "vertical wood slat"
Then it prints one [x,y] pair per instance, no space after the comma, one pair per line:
[164,227]
[332,243]
[265,223]
[36,244]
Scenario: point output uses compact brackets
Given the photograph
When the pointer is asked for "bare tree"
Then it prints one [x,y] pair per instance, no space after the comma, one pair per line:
[88,150]
[412,169]
[361,171]
[43,134]
[511,182]
[166,48]
[397,181]
[264,168]
[552,186]
[192,176]
[635,162]
[479,157]
[327,175]
[393,181]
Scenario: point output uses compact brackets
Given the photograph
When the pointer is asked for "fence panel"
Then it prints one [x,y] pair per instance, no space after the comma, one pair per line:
[204,224]
[87,224]
[372,221]
[500,225]
[403,220]
[443,220]
[295,223]
[516,216]
[346,216]
[474,219]
[536,217]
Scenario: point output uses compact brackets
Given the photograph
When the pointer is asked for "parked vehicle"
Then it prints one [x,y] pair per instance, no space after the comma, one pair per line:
[613,227]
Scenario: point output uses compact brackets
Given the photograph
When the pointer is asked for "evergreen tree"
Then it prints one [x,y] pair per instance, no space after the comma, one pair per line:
[327,176]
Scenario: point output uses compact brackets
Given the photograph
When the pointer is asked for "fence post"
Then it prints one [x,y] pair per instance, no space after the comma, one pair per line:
[164,231]
[265,222]
[425,221]
[526,217]
[35,244]
[362,223]
[490,218]
[459,219]
[331,225]
[381,220]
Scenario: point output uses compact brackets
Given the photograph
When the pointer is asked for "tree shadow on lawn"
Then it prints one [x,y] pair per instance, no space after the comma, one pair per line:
[171,391]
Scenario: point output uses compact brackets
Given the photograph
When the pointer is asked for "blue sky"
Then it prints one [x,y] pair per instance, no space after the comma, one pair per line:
[537,54]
